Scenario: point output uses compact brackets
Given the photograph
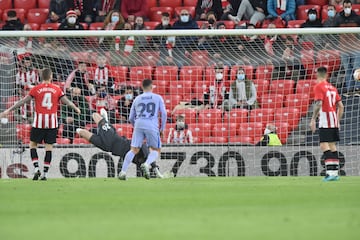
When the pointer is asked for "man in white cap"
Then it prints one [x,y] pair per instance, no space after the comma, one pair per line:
[71,22]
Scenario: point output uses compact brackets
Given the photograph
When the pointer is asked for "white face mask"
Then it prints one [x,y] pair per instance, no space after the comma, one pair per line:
[71,20]
[165,22]
[184,18]
[180,125]
[267,131]
[347,10]
[219,76]
[241,76]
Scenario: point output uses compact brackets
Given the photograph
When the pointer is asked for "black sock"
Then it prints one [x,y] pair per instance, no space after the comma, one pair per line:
[47,161]
[34,157]
[328,154]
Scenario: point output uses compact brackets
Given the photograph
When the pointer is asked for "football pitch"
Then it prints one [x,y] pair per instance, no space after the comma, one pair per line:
[180,208]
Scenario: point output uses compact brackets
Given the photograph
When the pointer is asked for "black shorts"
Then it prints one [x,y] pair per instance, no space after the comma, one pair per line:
[329,135]
[48,135]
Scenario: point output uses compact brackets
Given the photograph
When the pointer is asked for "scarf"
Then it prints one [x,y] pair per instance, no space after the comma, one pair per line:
[281,4]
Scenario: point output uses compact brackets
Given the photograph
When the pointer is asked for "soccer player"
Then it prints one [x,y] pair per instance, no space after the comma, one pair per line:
[329,109]
[144,116]
[45,125]
[108,140]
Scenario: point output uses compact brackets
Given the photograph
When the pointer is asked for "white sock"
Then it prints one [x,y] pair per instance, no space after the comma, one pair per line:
[153,155]
[36,170]
[128,159]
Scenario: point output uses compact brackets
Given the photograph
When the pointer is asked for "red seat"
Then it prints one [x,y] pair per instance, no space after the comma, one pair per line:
[80,141]
[317,2]
[215,140]
[20,13]
[271,101]
[356,8]
[167,73]
[49,26]
[261,115]
[190,2]
[295,23]
[200,87]
[241,139]
[211,116]
[62,141]
[264,72]
[140,73]
[229,24]
[124,129]
[152,3]
[25,4]
[172,3]
[236,115]
[6,4]
[43,3]
[301,12]
[119,73]
[200,58]
[171,101]
[155,13]
[283,87]
[96,26]
[200,131]
[329,58]
[224,130]
[2,23]
[192,73]
[38,15]
[183,88]
[190,9]
[80,56]
[160,87]
[149,58]
[150,25]
[34,26]
[306,87]
[23,131]
[298,100]
[289,115]
[249,71]
[252,129]
[307,60]
[189,113]
[262,87]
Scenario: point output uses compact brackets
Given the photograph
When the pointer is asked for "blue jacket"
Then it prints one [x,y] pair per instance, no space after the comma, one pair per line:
[289,14]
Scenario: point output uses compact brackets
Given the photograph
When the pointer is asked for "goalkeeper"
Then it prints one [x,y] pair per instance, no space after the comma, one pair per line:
[108,140]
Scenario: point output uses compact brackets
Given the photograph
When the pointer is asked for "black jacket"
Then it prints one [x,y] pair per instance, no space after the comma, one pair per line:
[13,25]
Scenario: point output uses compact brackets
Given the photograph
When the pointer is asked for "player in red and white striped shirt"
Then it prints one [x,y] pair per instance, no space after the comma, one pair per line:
[329,109]
[45,125]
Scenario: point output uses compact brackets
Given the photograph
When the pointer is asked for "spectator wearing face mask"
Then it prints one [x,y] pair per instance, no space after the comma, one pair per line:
[331,13]
[216,93]
[124,104]
[113,21]
[349,45]
[182,45]
[84,9]
[242,93]
[270,138]
[71,22]
[312,20]
[180,134]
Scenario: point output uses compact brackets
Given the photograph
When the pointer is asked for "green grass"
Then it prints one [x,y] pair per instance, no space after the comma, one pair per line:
[181,208]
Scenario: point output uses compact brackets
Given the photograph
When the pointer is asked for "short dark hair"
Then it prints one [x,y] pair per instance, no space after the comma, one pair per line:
[321,71]
[146,83]
[46,74]
[347,1]
[11,13]
[165,14]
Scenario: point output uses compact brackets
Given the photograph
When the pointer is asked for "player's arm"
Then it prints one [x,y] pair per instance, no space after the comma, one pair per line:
[66,101]
[163,116]
[132,114]
[317,107]
[340,110]
[16,105]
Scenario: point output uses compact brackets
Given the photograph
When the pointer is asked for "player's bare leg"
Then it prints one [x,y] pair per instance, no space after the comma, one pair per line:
[331,161]
[145,167]
[127,160]
[34,159]
[47,161]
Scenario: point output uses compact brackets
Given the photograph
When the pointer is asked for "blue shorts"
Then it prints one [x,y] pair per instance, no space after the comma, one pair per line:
[152,138]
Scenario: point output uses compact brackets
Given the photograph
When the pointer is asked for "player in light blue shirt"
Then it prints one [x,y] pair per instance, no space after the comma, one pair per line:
[144,116]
